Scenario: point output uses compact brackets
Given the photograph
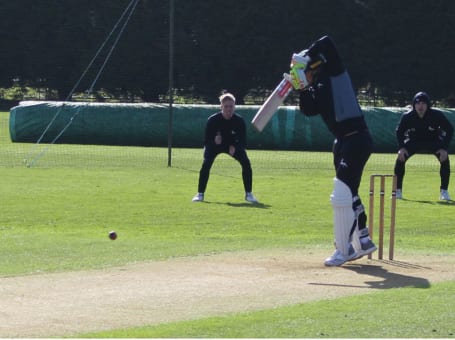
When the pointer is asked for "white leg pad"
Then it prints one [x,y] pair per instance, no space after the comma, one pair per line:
[343,215]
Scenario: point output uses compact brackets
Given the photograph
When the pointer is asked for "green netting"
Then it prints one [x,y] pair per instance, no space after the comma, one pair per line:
[147,125]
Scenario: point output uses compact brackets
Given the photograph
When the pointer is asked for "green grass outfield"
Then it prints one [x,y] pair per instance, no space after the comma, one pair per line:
[55,217]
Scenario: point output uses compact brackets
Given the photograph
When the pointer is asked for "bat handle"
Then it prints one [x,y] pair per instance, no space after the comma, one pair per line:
[284,88]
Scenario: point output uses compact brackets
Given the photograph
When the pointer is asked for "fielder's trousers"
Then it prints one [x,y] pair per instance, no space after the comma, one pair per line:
[240,155]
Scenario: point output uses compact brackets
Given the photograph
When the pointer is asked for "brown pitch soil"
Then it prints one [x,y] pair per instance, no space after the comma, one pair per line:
[149,293]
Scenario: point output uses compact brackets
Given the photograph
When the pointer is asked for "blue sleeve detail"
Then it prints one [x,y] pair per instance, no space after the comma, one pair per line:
[344,98]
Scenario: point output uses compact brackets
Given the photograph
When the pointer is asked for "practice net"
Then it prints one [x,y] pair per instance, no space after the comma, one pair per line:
[92,156]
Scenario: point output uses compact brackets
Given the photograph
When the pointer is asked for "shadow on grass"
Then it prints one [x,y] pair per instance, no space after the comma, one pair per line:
[244,205]
[449,203]
[238,205]
[390,279]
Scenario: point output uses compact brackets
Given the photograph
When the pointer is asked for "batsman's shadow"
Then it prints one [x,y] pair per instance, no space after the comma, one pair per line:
[390,279]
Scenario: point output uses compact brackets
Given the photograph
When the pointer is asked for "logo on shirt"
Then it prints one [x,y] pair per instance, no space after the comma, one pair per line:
[343,163]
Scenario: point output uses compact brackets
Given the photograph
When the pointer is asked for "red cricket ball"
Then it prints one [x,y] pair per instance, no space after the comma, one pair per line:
[113,235]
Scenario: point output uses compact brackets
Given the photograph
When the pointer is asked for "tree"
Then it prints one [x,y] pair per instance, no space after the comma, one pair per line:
[394,48]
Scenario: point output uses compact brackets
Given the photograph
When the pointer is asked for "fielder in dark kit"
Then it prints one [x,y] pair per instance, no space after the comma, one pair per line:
[424,129]
[225,132]
[325,89]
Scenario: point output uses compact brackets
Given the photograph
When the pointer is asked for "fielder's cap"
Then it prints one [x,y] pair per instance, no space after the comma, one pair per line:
[421,97]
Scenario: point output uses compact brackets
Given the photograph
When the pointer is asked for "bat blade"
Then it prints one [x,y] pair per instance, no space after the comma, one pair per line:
[270,106]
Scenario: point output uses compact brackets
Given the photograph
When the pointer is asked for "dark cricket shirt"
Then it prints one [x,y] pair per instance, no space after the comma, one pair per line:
[433,127]
[233,131]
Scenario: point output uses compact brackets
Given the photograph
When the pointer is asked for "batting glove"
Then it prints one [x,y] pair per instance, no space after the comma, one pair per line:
[296,76]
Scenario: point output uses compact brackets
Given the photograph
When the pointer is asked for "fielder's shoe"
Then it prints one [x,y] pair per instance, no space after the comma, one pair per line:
[199,197]
[250,197]
[337,259]
[367,248]
[444,195]
[399,194]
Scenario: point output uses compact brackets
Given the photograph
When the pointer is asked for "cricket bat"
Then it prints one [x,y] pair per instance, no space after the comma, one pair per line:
[270,106]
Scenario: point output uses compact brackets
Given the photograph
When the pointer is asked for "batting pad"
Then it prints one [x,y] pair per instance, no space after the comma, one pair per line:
[343,215]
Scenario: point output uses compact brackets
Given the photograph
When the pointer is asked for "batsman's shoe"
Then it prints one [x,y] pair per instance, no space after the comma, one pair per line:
[199,197]
[399,194]
[337,259]
[366,249]
[250,198]
[445,195]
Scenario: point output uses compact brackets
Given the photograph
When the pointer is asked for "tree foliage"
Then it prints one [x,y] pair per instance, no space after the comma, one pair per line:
[391,48]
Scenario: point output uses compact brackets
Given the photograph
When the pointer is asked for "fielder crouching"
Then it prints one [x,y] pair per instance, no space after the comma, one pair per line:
[326,89]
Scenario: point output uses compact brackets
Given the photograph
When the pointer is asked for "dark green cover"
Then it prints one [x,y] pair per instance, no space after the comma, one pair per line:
[148,125]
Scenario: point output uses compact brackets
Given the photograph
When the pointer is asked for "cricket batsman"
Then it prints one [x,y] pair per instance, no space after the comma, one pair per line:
[325,89]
